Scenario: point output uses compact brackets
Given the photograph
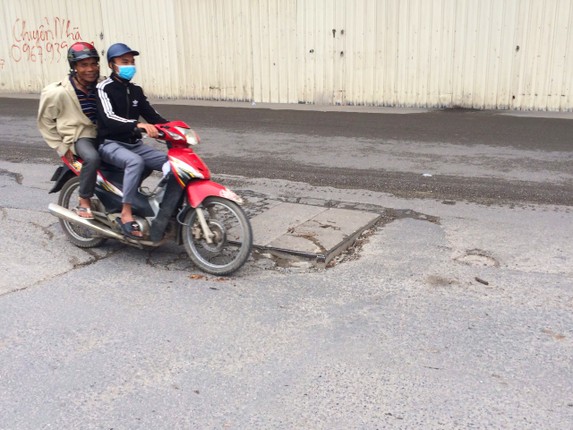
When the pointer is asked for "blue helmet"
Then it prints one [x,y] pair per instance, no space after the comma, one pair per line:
[119,49]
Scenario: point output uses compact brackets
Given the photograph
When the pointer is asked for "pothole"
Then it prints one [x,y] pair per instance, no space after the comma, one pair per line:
[477,257]
[16,176]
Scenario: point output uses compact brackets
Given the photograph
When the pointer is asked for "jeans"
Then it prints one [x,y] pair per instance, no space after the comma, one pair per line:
[86,150]
[134,159]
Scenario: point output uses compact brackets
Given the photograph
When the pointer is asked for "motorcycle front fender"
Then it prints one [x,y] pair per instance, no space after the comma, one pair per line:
[199,190]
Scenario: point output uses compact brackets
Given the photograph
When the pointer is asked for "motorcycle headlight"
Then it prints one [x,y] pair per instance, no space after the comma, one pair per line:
[174,136]
[190,136]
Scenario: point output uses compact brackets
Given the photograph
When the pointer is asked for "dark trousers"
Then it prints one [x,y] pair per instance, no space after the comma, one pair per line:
[87,151]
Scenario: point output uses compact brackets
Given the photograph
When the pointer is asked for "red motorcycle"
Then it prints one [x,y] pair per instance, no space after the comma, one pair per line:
[185,206]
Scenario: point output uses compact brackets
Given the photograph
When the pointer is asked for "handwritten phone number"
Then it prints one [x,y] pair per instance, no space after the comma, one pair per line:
[39,53]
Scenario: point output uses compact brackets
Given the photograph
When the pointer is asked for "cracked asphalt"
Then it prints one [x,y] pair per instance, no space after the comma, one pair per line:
[455,312]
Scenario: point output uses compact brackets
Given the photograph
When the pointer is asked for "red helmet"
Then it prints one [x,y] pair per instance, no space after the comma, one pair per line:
[80,51]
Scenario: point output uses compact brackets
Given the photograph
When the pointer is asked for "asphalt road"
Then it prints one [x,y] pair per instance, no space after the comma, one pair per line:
[476,156]
[455,313]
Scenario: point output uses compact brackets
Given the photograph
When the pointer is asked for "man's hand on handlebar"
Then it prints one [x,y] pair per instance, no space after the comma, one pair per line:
[150,129]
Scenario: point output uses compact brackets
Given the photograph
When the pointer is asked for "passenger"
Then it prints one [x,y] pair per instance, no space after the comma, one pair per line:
[67,118]
[120,105]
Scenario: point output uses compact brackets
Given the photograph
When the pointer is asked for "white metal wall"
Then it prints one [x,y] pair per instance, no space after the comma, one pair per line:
[473,53]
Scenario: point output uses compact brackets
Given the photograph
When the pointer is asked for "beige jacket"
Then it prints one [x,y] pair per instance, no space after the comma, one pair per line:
[60,117]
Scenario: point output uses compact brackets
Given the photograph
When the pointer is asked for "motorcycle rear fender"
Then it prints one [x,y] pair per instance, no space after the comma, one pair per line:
[197,191]
[61,176]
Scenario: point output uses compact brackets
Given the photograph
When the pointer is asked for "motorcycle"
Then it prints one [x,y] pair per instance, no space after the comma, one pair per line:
[185,206]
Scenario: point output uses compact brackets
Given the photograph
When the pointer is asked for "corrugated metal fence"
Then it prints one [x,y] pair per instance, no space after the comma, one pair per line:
[514,54]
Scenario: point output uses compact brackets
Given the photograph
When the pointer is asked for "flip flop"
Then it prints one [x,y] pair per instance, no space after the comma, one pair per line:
[128,228]
[85,213]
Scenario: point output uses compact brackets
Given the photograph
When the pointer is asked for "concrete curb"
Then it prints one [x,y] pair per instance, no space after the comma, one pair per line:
[319,108]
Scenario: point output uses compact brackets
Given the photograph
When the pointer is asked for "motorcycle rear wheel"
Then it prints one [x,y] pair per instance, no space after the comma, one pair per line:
[233,239]
[80,236]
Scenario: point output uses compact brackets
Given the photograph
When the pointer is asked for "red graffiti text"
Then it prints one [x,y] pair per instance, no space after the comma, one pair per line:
[47,42]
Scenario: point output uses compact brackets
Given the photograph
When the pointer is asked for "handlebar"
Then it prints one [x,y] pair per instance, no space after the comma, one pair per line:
[176,133]
[139,132]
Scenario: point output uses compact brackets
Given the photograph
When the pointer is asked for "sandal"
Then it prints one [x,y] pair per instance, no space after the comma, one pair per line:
[82,212]
[129,228]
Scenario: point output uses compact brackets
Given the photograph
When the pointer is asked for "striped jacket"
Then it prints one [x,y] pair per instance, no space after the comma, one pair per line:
[120,106]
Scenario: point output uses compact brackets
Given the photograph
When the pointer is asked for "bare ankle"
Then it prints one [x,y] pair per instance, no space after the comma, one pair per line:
[84,202]
[126,214]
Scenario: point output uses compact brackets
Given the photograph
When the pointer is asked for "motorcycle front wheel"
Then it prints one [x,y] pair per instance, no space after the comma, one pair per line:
[80,236]
[232,239]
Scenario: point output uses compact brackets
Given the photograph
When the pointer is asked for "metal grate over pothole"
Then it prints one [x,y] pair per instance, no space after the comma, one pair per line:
[313,233]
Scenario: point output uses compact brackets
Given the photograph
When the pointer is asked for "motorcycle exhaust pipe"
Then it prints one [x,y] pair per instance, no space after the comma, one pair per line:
[72,217]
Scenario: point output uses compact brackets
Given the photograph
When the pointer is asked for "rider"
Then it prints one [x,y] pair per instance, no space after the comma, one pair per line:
[67,118]
[120,105]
